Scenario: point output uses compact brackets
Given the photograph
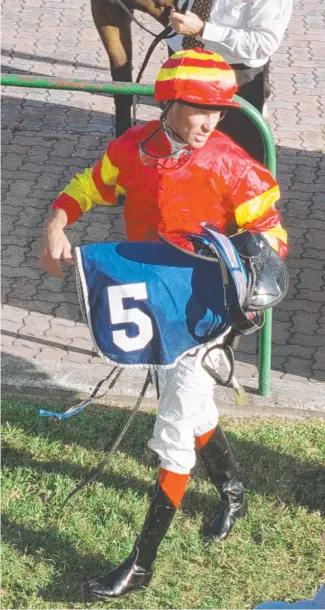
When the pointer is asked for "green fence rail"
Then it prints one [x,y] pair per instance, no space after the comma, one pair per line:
[42,82]
[74,84]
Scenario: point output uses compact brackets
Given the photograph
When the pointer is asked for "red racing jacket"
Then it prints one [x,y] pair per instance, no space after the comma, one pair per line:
[219,183]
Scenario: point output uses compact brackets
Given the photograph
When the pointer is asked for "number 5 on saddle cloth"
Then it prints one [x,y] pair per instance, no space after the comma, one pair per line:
[148,304]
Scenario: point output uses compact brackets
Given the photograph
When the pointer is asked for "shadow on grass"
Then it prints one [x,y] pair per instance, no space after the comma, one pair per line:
[264,470]
[73,569]
[279,476]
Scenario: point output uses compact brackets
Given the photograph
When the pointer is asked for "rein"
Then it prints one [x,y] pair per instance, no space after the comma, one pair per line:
[130,14]
[164,35]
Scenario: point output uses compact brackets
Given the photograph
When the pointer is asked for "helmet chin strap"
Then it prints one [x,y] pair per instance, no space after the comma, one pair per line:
[177,143]
[167,129]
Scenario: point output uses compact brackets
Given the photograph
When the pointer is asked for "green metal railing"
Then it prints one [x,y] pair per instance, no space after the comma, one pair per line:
[42,82]
[75,84]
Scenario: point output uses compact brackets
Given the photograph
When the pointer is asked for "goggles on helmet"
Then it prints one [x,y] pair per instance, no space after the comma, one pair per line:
[168,162]
[173,160]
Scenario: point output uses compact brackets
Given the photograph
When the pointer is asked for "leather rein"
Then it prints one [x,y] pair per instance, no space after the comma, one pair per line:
[164,35]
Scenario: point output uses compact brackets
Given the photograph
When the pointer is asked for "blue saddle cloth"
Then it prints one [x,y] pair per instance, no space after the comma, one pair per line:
[148,303]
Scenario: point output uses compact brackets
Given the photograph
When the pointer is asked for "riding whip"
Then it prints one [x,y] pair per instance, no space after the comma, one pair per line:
[117,442]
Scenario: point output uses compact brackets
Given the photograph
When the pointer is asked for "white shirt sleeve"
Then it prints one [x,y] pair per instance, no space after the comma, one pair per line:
[258,38]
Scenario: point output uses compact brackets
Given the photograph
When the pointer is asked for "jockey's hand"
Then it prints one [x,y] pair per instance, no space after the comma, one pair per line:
[55,245]
[187,24]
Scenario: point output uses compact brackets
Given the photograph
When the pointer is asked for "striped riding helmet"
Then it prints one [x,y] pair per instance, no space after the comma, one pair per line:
[197,77]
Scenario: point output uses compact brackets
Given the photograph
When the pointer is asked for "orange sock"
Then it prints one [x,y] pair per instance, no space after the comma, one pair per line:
[173,484]
[201,441]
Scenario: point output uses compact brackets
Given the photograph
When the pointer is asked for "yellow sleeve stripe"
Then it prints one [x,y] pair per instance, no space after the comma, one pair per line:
[277,232]
[119,190]
[83,189]
[105,175]
[255,208]
[108,171]
[272,241]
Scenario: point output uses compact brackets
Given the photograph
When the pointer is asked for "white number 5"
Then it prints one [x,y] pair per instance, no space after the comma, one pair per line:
[119,315]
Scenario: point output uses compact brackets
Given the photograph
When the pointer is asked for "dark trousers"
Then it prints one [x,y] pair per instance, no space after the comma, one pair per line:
[253,86]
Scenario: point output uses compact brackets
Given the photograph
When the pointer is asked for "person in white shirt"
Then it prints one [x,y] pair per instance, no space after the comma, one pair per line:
[246,33]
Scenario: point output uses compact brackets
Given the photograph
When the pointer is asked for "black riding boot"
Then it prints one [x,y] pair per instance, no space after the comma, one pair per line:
[123,103]
[220,465]
[136,571]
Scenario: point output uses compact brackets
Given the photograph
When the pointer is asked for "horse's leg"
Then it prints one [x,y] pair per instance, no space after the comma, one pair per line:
[114,28]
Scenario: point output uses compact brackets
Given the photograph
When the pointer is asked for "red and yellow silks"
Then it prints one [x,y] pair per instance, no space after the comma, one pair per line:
[259,214]
[219,183]
[95,186]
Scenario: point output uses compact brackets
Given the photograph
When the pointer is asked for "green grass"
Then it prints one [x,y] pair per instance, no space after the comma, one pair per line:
[49,552]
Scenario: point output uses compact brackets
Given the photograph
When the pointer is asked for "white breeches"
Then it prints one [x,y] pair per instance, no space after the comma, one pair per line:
[186,410]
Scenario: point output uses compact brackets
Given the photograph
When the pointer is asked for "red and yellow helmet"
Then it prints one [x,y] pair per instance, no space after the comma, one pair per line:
[197,77]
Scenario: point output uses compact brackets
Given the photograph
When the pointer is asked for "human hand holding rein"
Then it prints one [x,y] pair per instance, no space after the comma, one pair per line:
[187,24]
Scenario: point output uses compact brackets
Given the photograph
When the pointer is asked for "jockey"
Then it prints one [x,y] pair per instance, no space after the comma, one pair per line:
[174,173]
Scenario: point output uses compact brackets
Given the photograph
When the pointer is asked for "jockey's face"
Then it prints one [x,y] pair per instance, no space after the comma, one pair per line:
[193,124]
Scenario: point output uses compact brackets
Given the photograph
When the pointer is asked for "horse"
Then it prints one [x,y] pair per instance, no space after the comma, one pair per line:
[113,24]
